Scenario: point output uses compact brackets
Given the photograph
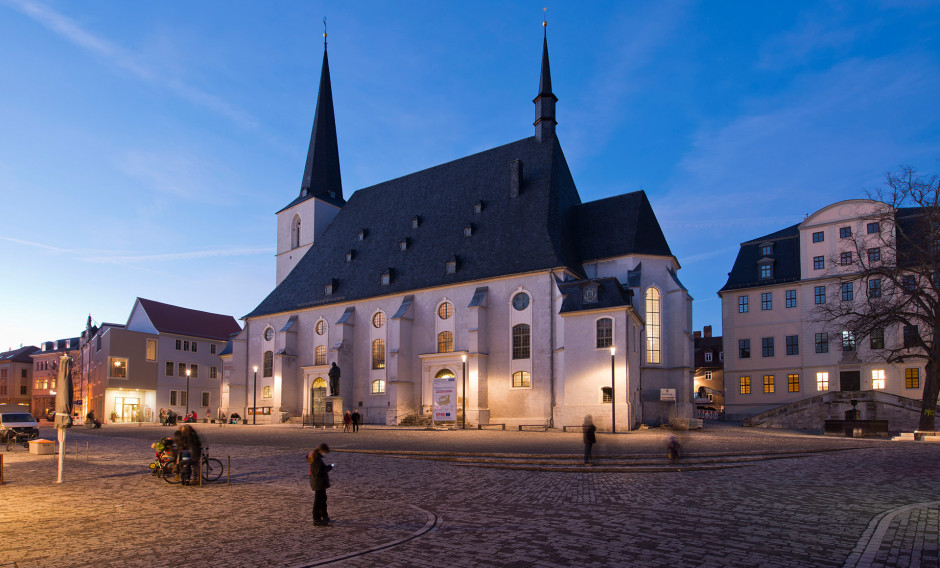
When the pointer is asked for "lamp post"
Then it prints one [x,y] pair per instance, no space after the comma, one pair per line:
[188,371]
[463,417]
[254,394]
[613,398]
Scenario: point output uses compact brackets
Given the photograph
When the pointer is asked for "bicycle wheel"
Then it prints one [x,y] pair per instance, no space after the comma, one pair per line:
[11,443]
[211,469]
[169,473]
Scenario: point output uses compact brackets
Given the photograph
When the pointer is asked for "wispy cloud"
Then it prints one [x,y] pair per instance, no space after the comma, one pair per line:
[69,30]
[105,257]
[181,175]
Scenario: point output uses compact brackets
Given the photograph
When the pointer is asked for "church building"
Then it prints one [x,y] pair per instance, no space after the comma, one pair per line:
[488,270]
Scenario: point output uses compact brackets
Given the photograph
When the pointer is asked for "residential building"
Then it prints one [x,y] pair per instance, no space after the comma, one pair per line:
[16,373]
[165,356]
[779,349]
[488,270]
[709,378]
[46,373]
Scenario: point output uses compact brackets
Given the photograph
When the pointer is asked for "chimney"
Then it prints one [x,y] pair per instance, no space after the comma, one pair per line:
[708,331]
[696,335]
[515,178]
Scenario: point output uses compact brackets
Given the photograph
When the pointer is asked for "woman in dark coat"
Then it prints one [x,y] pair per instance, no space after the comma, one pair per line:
[589,438]
[319,481]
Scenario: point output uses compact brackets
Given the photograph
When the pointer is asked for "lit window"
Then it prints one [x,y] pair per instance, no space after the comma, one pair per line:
[742,304]
[848,341]
[877,337]
[318,383]
[822,342]
[445,342]
[520,341]
[768,384]
[118,368]
[766,301]
[445,310]
[819,262]
[878,379]
[378,386]
[151,349]
[745,383]
[822,381]
[652,325]
[267,392]
[521,379]
[912,378]
[845,232]
[819,294]
[607,394]
[267,364]
[319,355]
[378,320]
[793,382]
[378,354]
[604,333]
[791,298]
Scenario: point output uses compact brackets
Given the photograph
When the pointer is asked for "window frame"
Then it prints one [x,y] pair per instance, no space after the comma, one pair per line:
[819,295]
[819,263]
[445,342]
[819,236]
[766,301]
[378,354]
[792,344]
[769,384]
[822,342]
[766,347]
[743,306]
[793,382]
[604,333]
[521,341]
[524,380]
[744,384]
[790,298]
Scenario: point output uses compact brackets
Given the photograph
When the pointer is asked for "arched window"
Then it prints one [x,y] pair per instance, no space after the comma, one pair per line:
[378,354]
[378,386]
[319,355]
[318,383]
[378,320]
[295,232]
[521,379]
[445,342]
[604,334]
[268,364]
[653,325]
[266,392]
[444,374]
[520,341]
[320,327]
[445,310]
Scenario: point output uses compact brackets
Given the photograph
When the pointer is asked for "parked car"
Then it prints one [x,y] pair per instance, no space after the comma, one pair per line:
[16,418]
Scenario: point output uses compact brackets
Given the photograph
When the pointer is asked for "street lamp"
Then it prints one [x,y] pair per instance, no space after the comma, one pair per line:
[188,371]
[254,394]
[613,398]
[463,417]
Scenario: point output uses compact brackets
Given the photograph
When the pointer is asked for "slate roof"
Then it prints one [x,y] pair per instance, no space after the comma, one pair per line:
[184,321]
[610,294]
[545,226]
[21,355]
[786,260]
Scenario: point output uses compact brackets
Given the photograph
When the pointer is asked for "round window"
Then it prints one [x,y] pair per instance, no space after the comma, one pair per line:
[445,310]
[378,320]
[269,334]
[520,301]
[320,328]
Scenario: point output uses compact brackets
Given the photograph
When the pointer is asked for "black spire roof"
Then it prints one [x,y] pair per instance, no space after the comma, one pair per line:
[321,172]
[545,101]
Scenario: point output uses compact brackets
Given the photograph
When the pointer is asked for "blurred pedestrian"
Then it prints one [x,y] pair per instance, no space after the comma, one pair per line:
[589,438]
[673,449]
[319,482]
[347,421]
[356,419]
[188,452]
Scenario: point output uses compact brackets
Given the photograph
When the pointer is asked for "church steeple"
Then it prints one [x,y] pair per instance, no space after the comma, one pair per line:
[545,101]
[321,172]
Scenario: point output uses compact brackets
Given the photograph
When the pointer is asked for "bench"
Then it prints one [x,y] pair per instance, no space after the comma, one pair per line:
[481,426]
[541,427]
[578,428]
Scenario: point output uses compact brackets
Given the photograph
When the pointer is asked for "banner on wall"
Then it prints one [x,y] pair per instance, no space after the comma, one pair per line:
[445,399]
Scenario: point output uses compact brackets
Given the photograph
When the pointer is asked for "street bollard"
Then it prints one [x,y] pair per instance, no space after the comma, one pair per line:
[86,450]
[228,471]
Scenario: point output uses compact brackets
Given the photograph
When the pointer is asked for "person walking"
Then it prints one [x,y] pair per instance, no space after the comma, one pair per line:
[347,421]
[589,438]
[188,451]
[673,449]
[319,482]
[163,416]
[356,419]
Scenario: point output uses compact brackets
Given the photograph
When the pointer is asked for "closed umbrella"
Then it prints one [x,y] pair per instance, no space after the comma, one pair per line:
[63,405]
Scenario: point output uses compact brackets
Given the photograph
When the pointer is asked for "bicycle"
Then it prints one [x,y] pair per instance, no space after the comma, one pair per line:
[21,438]
[211,468]
[165,467]
[170,470]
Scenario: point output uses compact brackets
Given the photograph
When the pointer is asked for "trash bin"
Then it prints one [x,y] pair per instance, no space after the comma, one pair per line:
[42,447]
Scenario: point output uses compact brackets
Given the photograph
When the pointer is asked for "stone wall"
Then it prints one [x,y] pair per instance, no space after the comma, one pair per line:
[901,413]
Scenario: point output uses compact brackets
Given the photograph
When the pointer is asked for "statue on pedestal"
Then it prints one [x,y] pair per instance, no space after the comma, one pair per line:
[334,380]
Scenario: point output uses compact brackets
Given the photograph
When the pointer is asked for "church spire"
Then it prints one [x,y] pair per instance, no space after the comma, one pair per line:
[321,172]
[545,101]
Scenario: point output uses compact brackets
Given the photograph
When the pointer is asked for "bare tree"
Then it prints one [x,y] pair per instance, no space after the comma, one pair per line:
[889,280]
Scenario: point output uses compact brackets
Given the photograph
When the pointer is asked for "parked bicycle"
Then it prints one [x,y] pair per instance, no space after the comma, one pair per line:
[21,438]
[170,470]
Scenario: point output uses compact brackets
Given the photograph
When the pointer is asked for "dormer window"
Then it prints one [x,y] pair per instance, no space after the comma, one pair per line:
[362,235]
[767,249]
[468,230]
[590,294]
[386,278]
[415,222]
[478,207]
[350,254]
[403,245]
[766,270]
[329,287]
[450,267]
[303,192]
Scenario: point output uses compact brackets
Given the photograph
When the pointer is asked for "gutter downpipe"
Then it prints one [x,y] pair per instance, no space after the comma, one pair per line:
[551,313]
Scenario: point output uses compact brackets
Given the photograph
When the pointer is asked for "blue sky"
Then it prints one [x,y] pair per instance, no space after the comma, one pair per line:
[145,147]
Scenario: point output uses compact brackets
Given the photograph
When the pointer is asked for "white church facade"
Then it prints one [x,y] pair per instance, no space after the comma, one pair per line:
[488,269]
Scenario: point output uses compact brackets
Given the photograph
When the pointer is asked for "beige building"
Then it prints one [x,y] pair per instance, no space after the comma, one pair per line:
[16,373]
[46,373]
[777,348]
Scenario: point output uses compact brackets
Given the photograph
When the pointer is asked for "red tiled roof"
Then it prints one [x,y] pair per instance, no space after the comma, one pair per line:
[184,321]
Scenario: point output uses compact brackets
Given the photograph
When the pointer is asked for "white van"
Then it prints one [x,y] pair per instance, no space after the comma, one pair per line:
[16,418]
